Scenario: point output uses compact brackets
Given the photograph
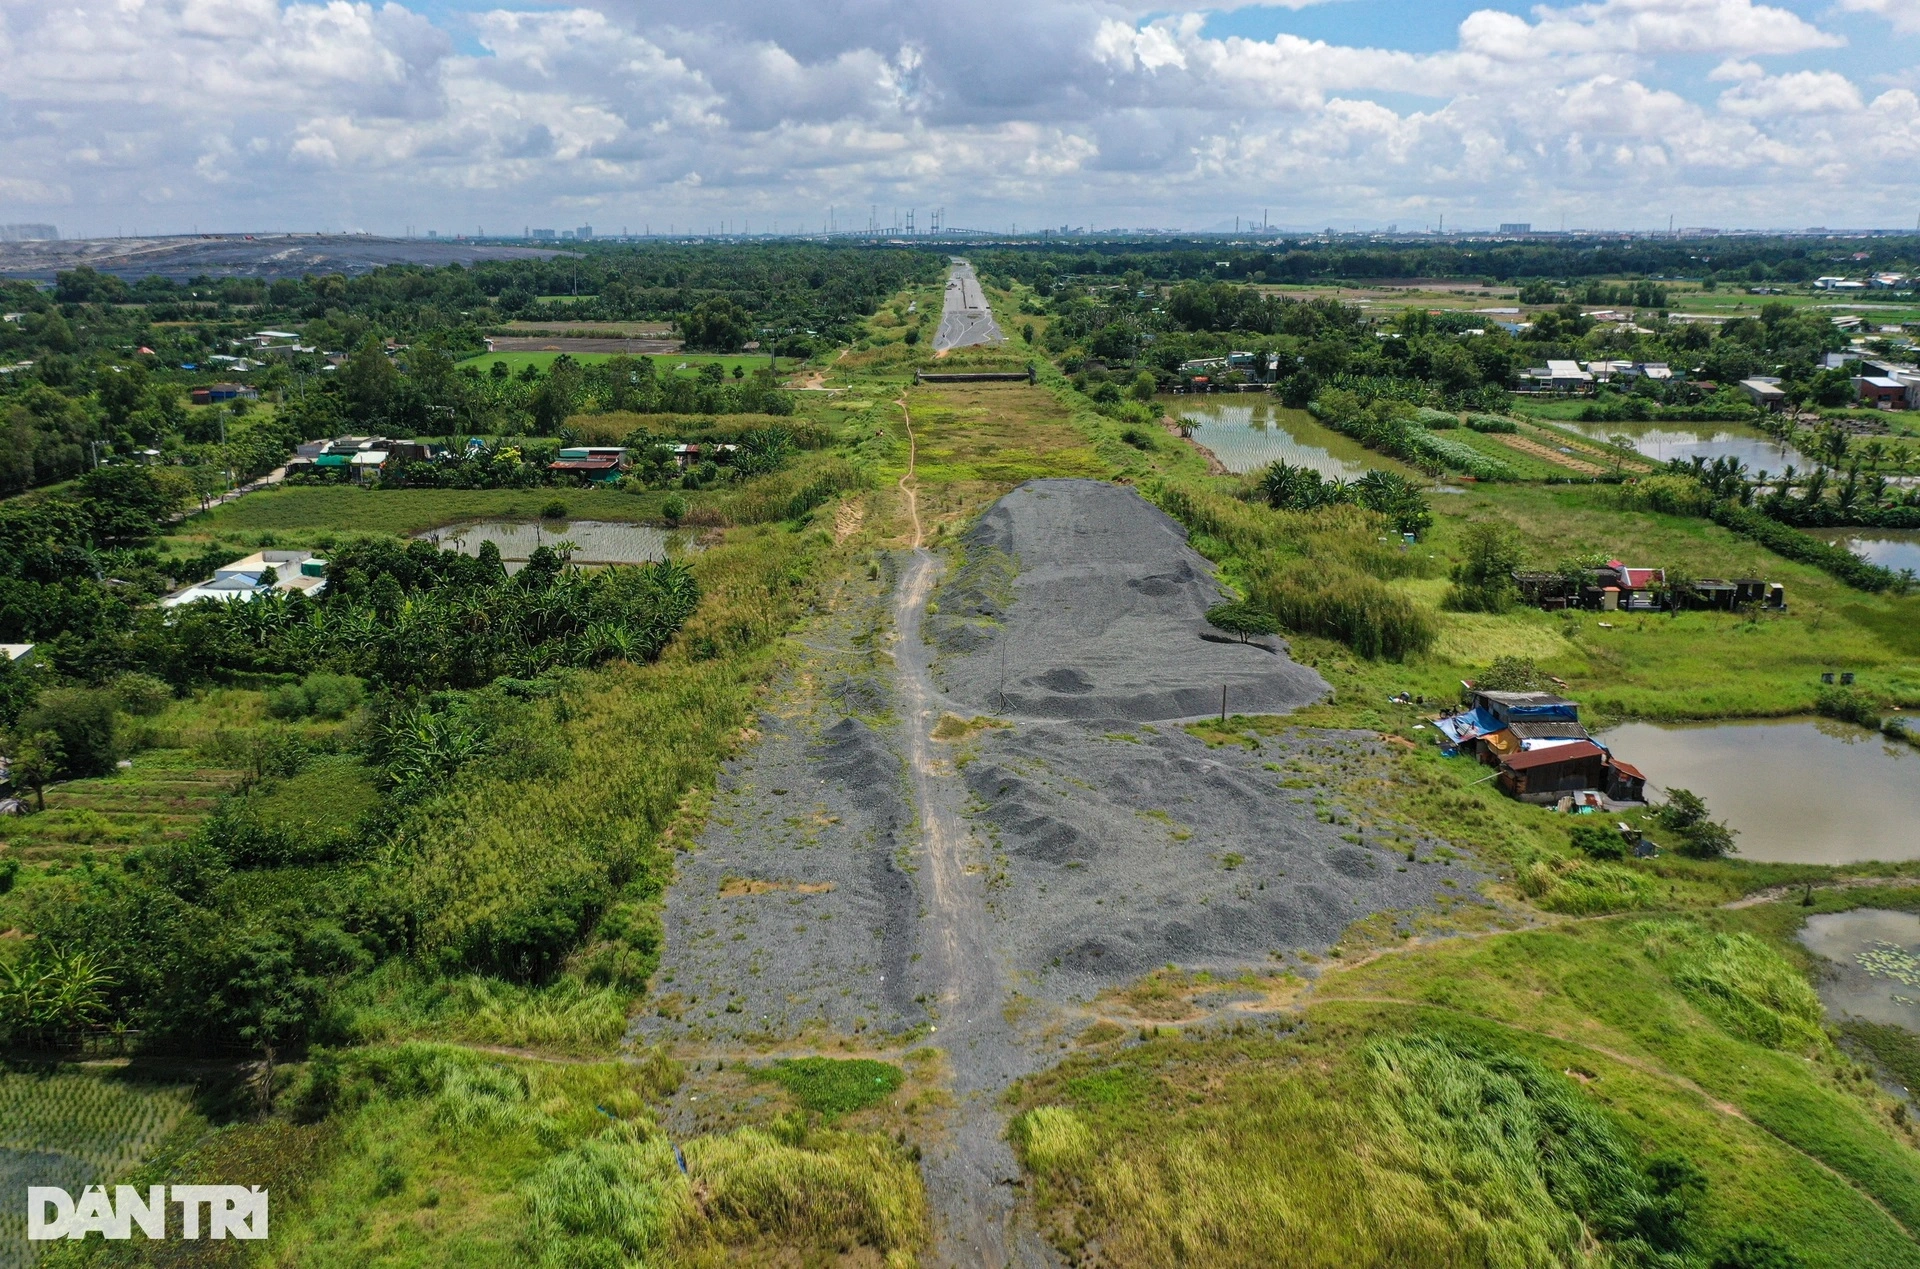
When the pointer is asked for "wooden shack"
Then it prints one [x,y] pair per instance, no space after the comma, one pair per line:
[1542,775]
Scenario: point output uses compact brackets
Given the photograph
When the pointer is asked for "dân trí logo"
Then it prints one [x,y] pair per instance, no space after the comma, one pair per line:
[230,1211]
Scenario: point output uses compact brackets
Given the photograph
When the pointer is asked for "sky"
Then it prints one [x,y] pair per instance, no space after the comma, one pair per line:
[462,116]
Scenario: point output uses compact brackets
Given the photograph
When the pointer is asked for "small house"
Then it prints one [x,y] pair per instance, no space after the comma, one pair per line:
[1542,775]
[247,578]
[598,464]
[1764,393]
[1882,393]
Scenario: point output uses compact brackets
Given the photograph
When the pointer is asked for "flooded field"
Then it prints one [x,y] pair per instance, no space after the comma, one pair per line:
[1247,437]
[594,542]
[1872,971]
[1667,441]
[1890,548]
[1808,791]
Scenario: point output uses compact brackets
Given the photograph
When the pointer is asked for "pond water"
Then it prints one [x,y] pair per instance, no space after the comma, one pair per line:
[595,542]
[1872,971]
[1890,548]
[1666,441]
[1248,437]
[1801,790]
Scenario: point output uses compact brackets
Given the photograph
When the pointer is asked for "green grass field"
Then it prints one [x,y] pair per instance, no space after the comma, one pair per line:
[688,363]
[305,514]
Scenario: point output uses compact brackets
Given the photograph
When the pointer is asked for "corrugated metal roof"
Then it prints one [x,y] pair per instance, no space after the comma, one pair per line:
[1548,729]
[1579,751]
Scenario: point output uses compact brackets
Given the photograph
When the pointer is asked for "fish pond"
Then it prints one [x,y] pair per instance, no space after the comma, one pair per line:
[1872,971]
[1889,548]
[594,543]
[1798,790]
[1247,437]
[1664,442]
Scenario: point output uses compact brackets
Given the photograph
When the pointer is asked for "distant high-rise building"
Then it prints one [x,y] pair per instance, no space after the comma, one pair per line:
[544,233]
[433,233]
[29,233]
[584,232]
[1517,227]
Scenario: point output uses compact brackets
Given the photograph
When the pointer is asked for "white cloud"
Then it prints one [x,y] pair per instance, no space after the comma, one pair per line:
[344,111]
[1904,14]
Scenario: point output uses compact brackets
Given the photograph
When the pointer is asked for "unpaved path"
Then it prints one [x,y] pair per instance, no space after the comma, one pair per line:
[972,1177]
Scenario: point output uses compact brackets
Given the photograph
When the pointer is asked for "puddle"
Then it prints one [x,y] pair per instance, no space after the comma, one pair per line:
[1875,959]
[1802,790]
[595,542]
[1889,548]
[1667,441]
[1248,437]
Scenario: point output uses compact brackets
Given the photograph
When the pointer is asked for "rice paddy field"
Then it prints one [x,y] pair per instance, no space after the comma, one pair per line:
[74,1127]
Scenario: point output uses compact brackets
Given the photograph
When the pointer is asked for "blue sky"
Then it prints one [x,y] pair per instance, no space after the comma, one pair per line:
[341,114]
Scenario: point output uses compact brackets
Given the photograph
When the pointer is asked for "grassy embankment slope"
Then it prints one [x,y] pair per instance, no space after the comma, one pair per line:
[1407,1120]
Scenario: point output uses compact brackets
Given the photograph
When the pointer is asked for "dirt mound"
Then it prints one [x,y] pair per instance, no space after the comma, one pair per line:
[1107,617]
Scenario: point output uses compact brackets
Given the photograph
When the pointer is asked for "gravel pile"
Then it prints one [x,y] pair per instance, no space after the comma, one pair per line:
[1107,617]
[1117,849]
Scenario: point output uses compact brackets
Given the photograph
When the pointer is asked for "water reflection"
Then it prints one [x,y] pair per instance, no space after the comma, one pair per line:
[1872,970]
[1248,437]
[1890,548]
[1667,441]
[595,542]
[1807,791]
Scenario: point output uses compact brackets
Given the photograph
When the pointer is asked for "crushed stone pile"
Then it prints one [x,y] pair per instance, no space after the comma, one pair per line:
[1079,599]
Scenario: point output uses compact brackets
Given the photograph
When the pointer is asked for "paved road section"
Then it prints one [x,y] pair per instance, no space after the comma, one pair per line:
[965,319]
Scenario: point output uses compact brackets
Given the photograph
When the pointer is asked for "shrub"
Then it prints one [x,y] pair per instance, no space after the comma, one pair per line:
[1673,495]
[1438,420]
[555,510]
[1849,705]
[1752,1248]
[319,695]
[821,1187]
[1491,423]
[141,695]
[1597,841]
[674,510]
[1318,598]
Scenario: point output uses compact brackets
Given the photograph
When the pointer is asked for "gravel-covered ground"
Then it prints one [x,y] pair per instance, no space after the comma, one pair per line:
[793,913]
[1104,618]
[1118,848]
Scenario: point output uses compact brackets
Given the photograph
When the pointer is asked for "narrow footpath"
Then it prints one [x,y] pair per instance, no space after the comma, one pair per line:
[972,1177]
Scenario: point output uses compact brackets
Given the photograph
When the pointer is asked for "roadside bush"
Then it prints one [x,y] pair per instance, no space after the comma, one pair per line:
[1319,598]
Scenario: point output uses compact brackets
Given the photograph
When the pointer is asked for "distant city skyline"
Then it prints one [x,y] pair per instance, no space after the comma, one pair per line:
[176,116]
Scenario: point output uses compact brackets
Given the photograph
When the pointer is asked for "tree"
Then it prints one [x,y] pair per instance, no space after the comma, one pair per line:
[715,325]
[1483,580]
[1243,619]
[85,723]
[37,758]
[369,381]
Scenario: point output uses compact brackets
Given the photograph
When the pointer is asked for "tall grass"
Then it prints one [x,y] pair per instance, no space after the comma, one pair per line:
[1739,981]
[1318,571]
[1412,1151]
